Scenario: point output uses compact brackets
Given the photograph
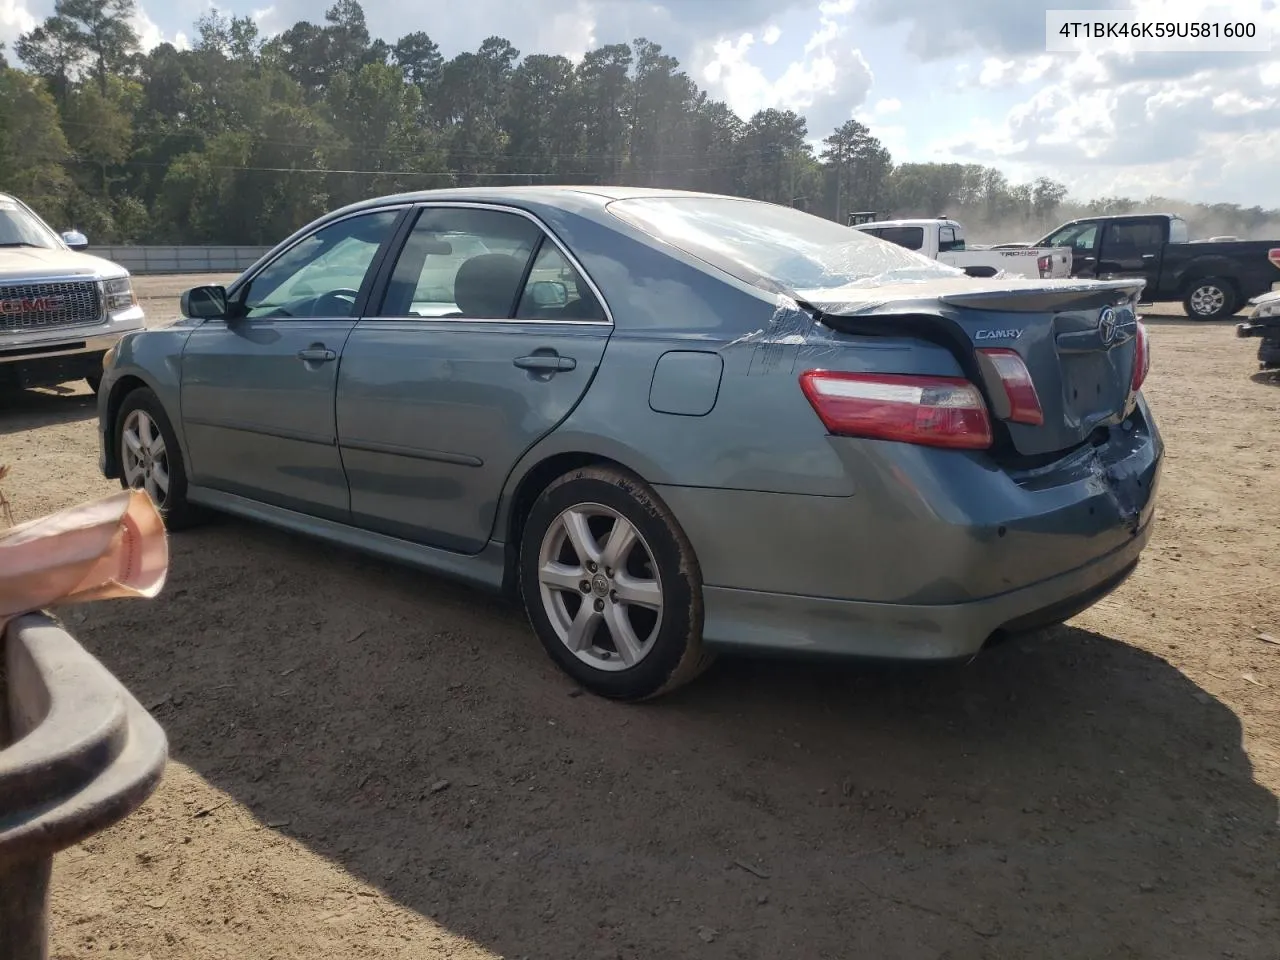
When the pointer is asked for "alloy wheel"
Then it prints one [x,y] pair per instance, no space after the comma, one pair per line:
[144,457]
[600,587]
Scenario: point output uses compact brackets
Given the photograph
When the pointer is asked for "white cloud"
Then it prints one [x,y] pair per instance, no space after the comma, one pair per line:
[570,32]
[15,20]
[1107,121]
[826,84]
[150,36]
[772,34]
[883,108]
[995,71]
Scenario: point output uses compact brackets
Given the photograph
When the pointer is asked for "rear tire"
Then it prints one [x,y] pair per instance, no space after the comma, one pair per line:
[1210,298]
[150,458]
[635,631]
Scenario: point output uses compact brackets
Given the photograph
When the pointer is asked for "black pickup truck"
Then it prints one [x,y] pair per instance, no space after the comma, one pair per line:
[1212,279]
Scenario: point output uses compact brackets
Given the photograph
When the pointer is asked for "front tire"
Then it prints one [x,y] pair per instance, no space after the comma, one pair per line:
[611,585]
[150,458]
[1210,298]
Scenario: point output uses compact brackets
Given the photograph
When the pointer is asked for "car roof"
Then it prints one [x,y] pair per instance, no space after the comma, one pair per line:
[546,194]
[1121,216]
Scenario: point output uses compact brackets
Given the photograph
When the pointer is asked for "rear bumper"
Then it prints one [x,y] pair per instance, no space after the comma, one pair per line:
[932,552]
[748,620]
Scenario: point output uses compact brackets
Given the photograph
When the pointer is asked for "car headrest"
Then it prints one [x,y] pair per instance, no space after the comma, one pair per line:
[485,286]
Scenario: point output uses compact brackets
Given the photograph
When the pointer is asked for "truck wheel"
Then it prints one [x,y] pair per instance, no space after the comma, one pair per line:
[1209,299]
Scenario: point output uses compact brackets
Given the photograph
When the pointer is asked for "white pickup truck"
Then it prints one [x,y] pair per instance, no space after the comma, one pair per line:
[943,240]
[60,310]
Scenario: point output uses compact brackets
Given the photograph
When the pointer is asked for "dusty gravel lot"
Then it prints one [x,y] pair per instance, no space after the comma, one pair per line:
[1105,790]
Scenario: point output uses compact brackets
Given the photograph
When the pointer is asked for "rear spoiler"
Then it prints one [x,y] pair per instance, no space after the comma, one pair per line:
[1076,296]
[1011,296]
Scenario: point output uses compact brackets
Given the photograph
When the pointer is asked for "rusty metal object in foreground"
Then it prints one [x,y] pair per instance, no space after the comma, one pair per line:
[81,755]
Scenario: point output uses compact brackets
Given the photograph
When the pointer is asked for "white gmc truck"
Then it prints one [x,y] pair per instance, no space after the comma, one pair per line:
[60,309]
[943,240]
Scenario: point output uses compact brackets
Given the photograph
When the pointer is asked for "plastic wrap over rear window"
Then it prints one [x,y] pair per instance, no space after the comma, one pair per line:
[776,248]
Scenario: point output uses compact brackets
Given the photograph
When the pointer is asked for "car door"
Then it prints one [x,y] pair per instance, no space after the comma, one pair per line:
[948,245]
[485,338]
[1082,239]
[1131,249]
[258,386]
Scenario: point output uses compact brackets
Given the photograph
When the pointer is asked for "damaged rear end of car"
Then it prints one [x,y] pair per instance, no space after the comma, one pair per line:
[1040,453]
[949,459]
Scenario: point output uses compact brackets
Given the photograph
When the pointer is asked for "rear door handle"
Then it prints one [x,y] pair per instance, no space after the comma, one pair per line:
[545,362]
[317,353]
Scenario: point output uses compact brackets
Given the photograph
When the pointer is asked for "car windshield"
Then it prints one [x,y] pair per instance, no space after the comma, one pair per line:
[777,248]
[20,228]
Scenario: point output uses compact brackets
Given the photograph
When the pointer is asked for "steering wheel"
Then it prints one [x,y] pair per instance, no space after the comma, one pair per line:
[332,299]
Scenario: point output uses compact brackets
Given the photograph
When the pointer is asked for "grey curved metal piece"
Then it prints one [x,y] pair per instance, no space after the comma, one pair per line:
[77,754]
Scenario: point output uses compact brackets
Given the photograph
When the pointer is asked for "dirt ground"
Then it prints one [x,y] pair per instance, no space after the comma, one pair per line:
[371,763]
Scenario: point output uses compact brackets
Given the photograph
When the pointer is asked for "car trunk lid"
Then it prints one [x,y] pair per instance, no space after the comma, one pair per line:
[1079,342]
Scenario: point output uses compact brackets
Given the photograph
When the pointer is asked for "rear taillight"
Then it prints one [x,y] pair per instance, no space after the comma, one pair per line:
[1274,256]
[932,411]
[1024,402]
[1141,358]
[1045,264]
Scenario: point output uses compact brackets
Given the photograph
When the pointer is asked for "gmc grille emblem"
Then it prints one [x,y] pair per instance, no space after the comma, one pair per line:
[17,305]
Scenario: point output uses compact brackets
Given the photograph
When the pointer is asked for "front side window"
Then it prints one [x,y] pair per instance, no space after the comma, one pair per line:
[321,276]
[778,248]
[1079,237]
[463,263]
[947,240]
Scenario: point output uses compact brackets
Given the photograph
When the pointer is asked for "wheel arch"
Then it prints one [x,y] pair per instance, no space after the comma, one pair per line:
[1207,268]
[533,475]
[120,389]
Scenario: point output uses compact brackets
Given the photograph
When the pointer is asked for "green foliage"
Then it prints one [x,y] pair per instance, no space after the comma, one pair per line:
[242,141]
[33,148]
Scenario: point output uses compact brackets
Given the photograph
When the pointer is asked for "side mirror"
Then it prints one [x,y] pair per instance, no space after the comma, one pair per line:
[75,239]
[549,293]
[204,303]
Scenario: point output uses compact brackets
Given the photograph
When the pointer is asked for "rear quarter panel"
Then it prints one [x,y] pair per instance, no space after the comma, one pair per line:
[761,433]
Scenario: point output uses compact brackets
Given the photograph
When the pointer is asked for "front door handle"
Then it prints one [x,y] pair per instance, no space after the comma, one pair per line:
[545,362]
[317,353]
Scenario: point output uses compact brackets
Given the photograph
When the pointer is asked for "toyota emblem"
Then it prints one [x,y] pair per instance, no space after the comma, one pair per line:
[1107,328]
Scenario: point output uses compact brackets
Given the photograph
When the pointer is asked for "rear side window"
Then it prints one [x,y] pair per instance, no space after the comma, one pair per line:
[461,263]
[777,248]
[555,291]
[1143,235]
[912,238]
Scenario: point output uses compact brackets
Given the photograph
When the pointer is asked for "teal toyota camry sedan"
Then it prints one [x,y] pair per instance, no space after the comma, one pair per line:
[671,424]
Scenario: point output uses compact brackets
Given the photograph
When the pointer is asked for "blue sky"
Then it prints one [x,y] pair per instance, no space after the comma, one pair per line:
[957,82]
